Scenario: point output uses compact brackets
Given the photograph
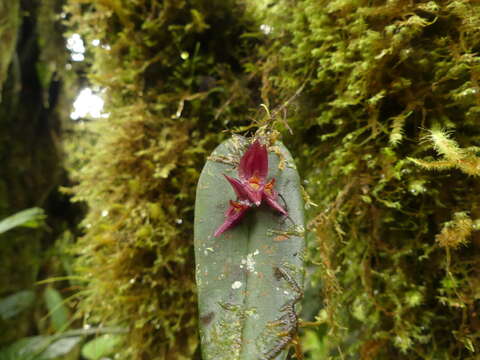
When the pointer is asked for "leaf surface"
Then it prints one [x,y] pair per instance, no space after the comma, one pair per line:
[32,217]
[241,296]
[14,304]
[57,309]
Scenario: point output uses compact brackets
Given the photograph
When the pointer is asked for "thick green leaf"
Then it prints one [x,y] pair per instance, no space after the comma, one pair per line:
[244,303]
[56,308]
[32,217]
[14,304]
[101,347]
[23,349]
[61,348]
[41,348]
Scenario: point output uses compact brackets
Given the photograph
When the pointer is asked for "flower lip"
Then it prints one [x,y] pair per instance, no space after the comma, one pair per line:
[256,197]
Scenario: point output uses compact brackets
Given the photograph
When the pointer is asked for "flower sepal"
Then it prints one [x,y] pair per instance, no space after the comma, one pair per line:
[235,212]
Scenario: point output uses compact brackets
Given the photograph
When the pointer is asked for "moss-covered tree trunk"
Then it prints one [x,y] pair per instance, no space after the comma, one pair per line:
[172,74]
[378,103]
[31,60]
[388,131]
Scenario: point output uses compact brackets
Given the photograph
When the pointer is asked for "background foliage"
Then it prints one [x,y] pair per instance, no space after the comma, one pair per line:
[32,105]
[382,99]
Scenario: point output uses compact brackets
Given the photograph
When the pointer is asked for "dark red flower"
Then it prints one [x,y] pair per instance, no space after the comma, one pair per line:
[252,187]
[253,171]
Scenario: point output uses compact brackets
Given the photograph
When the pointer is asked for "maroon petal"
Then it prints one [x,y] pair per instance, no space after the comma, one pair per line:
[234,214]
[254,196]
[270,196]
[245,190]
[274,204]
[238,187]
[254,162]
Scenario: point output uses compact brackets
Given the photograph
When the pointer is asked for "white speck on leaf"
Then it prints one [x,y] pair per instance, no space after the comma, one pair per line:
[205,252]
[249,262]
[237,285]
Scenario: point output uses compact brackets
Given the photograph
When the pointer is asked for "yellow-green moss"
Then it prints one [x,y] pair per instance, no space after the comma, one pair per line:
[380,78]
[169,70]
[9,23]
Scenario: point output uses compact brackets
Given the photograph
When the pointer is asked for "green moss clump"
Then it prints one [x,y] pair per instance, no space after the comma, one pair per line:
[170,71]
[9,23]
[379,79]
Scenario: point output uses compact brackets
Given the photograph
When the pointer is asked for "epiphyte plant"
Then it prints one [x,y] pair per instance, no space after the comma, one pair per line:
[241,291]
[252,187]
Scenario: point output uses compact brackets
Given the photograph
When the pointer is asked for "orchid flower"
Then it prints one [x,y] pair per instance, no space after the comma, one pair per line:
[252,170]
[252,187]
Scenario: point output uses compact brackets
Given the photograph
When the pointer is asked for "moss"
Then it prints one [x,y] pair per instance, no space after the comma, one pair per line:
[169,70]
[380,78]
[9,23]
[456,232]
[453,156]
